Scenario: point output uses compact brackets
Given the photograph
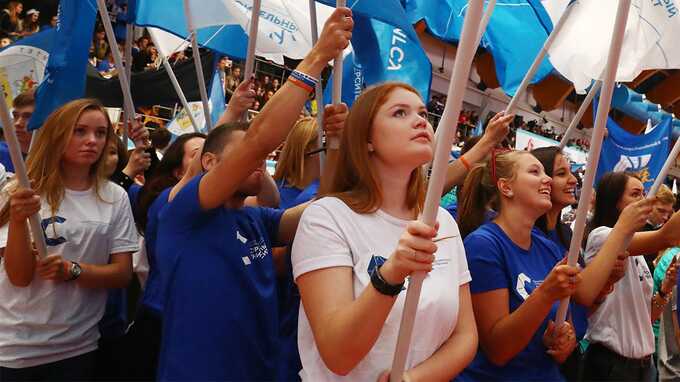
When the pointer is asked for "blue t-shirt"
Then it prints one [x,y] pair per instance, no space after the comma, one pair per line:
[293,196]
[496,262]
[133,194]
[289,301]
[5,158]
[579,313]
[220,318]
[153,291]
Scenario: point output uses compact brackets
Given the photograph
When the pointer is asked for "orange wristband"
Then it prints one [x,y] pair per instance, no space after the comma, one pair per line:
[465,162]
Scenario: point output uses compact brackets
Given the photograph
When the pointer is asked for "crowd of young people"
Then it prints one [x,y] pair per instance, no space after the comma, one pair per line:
[303,275]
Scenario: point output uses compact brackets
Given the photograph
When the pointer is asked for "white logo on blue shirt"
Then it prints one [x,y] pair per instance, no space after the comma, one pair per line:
[257,249]
[240,238]
[521,285]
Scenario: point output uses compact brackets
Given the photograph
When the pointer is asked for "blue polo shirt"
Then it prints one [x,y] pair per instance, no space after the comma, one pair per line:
[220,318]
[293,196]
[496,262]
[153,294]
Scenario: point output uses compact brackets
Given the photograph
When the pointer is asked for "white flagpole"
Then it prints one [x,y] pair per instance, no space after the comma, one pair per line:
[21,174]
[318,89]
[461,72]
[664,170]
[252,42]
[175,83]
[199,67]
[485,19]
[252,38]
[337,80]
[579,114]
[128,105]
[129,36]
[603,106]
[538,60]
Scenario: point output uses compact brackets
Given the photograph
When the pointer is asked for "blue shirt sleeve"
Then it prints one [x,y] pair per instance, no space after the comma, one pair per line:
[271,218]
[185,212]
[486,263]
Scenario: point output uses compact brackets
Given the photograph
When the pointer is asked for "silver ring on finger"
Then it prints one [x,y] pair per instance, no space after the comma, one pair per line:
[415,254]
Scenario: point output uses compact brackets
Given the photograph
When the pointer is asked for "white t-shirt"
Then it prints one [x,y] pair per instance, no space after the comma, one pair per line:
[330,234]
[51,321]
[623,322]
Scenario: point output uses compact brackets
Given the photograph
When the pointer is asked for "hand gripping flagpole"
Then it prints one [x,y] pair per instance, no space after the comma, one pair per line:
[579,114]
[175,83]
[318,89]
[333,143]
[596,142]
[199,67]
[461,72]
[21,174]
[538,60]
[128,104]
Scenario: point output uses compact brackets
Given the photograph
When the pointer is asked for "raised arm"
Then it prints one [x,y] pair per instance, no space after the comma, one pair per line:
[494,134]
[272,125]
[596,274]
[654,241]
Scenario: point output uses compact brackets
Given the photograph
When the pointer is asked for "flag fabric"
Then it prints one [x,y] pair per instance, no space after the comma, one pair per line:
[479,128]
[66,69]
[169,15]
[216,99]
[580,52]
[514,36]
[22,64]
[386,46]
[643,155]
[353,82]
[284,26]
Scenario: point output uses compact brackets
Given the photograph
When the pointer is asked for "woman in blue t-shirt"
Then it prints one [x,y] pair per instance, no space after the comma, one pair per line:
[517,275]
[298,169]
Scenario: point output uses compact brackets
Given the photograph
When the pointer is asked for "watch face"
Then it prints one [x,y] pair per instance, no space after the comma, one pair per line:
[76,270]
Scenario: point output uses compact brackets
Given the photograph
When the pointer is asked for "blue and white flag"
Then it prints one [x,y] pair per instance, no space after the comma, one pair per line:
[284,26]
[386,46]
[216,98]
[169,15]
[22,64]
[515,34]
[65,73]
[643,155]
[353,82]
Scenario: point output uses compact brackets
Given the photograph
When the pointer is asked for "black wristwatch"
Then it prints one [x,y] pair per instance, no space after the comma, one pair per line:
[383,286]
[74,271]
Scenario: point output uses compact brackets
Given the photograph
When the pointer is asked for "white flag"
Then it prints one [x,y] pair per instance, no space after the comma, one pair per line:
[650,42]
[168,43]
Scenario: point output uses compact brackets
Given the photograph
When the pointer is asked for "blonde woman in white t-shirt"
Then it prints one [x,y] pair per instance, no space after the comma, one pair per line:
[50,307]
[355,248]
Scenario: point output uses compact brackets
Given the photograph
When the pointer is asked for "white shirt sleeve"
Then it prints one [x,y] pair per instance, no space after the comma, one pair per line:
[123,236]
[596,240]
[319,242]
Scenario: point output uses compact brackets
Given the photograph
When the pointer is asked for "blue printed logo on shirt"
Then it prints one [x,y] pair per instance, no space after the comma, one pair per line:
[52,241]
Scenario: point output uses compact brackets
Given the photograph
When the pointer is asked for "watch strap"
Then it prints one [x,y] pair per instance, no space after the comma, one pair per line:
[382,286]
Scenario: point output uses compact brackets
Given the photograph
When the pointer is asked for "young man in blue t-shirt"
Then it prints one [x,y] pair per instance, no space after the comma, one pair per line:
[220,313]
